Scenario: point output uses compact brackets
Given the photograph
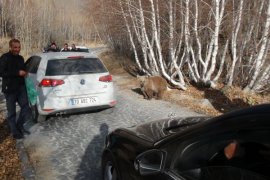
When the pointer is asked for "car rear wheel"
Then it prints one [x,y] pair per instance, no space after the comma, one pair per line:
[109,170]
[36,116]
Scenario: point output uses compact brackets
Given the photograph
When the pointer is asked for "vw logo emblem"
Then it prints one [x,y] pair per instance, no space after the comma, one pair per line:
[82,82]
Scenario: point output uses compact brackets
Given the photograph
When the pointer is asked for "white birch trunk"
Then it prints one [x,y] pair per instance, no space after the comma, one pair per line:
[219,8]
[221,67]
[172,48]
[151,54]
[263,80]
[130,37]
[139,35]
[262,51]
[236,25]
[198,41]
[159,49]
[187,38]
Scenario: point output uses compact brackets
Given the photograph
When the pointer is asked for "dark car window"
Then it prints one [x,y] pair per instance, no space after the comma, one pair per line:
[207,160]
[82,50]
[74,66]
[32,64]
[28,64]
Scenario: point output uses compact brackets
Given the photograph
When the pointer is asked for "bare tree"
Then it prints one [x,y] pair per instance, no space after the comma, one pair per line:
[37,23]
[260,74]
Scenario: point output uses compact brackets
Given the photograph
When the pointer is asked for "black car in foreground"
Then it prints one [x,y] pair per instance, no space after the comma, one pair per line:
[234,146]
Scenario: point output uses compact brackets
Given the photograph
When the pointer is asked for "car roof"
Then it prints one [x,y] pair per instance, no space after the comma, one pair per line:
[63,55]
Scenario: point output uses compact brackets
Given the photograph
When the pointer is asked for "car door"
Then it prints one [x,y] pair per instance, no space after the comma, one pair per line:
[32,65]
[198,154]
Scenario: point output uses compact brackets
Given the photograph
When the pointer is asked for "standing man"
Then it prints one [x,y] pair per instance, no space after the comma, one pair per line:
[12,71]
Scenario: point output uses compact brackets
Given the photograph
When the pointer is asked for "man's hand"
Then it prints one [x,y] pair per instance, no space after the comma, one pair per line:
[22,73]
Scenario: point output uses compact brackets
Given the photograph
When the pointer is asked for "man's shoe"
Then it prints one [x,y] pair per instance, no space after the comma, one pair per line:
[17,136]
[24,131]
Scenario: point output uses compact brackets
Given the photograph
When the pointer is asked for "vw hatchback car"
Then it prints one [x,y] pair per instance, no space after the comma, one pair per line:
[233,146]
[69,82]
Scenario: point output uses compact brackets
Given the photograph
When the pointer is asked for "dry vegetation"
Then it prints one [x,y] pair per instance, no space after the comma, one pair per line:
[10,167]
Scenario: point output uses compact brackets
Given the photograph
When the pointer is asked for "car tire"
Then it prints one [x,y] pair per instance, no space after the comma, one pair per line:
[37,118]
[109,168]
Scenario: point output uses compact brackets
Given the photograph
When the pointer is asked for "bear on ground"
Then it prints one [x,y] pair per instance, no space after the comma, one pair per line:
[152,86]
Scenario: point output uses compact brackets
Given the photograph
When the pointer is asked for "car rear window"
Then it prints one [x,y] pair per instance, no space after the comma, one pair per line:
[74,66]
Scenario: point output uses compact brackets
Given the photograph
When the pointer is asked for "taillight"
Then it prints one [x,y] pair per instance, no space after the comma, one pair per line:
[48,110]
[51,82]
[113,103]
[107,78]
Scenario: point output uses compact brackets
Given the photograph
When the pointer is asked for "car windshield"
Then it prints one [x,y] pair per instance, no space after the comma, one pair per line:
[246,154]
[222,173]
[74,66]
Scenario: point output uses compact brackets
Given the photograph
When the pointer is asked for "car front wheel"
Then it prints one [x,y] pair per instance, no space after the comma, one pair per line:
[109,170]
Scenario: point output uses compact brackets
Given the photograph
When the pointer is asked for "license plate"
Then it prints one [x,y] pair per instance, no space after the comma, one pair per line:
[82,101]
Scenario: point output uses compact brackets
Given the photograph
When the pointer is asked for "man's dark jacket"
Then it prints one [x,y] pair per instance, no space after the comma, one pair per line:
[10,65]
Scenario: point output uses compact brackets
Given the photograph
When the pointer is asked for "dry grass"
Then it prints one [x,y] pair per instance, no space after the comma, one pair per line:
[114,62]
[94,44]
[4,45]
[222,101]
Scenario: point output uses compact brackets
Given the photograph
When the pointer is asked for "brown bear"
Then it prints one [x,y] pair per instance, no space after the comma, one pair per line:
[152,86]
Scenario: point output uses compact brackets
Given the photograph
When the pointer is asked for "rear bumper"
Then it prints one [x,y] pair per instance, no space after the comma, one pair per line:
[61,105]
[77,110]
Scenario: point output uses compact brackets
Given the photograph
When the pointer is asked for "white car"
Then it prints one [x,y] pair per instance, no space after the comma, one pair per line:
[69,82]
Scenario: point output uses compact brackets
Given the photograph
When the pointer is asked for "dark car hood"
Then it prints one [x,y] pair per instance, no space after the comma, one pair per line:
[157,130]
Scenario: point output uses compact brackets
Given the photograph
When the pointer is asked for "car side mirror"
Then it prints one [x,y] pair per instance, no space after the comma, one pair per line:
[150,162]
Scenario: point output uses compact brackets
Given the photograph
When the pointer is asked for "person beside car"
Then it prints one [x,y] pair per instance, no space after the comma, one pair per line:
[65,48]
[73,48]
[53,48]
[13,71]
